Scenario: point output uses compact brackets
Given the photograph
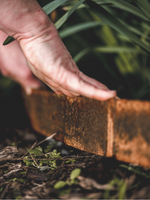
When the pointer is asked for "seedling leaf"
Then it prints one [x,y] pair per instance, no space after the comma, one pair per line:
[48,148]
[59,184]
[75,173]
[36,151]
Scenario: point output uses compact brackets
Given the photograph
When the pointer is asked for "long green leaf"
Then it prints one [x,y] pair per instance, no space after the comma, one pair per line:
[101,2]
[79,27]
[81,54]
[8,40]
[130,8]
[53,5]
[121,4]
[120,49]
[60,22]
[144,6]
[135,30]
[107,49]
[113,22]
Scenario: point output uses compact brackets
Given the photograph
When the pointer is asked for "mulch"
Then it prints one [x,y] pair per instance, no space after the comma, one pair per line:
[100,177]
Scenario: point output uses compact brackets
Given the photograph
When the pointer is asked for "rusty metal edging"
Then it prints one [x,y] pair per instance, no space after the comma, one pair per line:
[119,128]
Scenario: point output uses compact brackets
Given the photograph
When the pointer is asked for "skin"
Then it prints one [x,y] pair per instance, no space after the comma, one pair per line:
[14,65]
[46,55]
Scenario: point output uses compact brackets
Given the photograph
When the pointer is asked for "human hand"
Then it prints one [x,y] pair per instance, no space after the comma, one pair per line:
[46,54]
[50,61]
[14,65]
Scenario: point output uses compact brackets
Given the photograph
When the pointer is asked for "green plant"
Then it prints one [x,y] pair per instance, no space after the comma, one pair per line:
[121,187]
[39,159]
[103,10]
[136,170]
[70,161]
[1,189]
[18,180]
[73,175]
[117,29]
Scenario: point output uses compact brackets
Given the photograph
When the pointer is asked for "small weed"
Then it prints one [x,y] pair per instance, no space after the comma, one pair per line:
[18,180]
[73,175]
[23,172]
[136,170]
[72,161]
[19,197]
[46,160]
[38,159]
[121,186]
[16,143]
[1,189]
[36,151]
[48,148]
[14,179]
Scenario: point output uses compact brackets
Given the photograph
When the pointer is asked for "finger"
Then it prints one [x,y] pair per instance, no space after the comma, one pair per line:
[58,89]
[29,86]
[76,84]
[55,90]
[58,92]
[63,91]
[66,92]
[70,93]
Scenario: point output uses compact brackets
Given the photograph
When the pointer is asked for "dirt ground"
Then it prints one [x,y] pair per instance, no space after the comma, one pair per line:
[31,168]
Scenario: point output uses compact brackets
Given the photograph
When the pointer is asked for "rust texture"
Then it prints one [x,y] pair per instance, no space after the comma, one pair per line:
[132,132]
[118,128]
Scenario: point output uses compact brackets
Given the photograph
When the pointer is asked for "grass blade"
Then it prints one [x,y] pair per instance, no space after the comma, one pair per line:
[8,40]
[53,5]
[79,27]
[135,30]
[60,22]
[130,8]
[81,54]
[48,9]
[144,7]
[124,6]
[113,22]
[107,49]
[120,49]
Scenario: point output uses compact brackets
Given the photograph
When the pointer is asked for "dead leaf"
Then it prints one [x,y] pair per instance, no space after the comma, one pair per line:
[89,184]
[8,152]
[129,181]
[15,166]
[30,197]
[38,176]
[11,172]
[5,191]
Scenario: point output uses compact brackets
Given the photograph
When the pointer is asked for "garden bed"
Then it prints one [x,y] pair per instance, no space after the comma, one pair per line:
[21,178]
[111,128]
